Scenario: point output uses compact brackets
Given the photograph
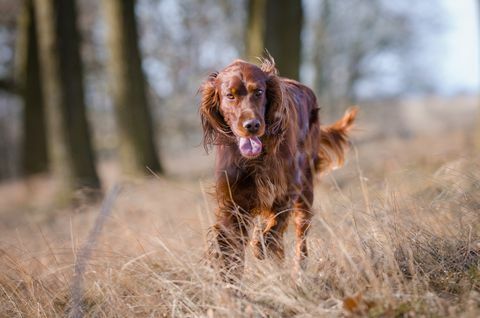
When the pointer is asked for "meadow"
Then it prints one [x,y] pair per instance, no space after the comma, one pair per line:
[396,234]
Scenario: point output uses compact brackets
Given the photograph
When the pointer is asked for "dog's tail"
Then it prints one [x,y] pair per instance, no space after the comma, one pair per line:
[334,141]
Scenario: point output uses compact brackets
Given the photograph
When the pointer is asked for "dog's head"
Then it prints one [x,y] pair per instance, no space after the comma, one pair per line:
[242,103]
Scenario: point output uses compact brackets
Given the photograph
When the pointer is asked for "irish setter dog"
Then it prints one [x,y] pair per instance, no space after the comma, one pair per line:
[269,144]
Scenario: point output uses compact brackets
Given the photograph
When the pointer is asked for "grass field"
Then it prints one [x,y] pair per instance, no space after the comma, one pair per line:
[396,234]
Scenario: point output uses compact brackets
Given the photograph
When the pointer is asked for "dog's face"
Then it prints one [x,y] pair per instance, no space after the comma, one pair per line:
[242,91]
[237,97]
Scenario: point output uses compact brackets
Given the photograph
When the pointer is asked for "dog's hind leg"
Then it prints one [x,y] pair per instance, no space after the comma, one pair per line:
[303,216]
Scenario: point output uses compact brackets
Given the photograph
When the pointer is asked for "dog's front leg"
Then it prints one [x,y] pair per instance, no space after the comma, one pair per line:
[230,236]
[271,241]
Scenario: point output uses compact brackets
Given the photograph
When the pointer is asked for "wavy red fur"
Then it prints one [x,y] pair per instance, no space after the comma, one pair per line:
[278,181]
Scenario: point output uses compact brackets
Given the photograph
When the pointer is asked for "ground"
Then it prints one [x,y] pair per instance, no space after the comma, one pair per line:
[396,234]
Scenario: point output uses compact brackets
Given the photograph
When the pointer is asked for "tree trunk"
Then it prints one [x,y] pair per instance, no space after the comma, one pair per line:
[34,152]
[70,150]
[321,56]
[137,147]
[255,32]
[354,74]
[284,19]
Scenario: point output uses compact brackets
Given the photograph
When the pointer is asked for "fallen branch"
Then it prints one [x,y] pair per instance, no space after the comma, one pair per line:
[86,252]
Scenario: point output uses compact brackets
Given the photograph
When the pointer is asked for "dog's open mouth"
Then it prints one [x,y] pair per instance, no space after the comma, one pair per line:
[250,147]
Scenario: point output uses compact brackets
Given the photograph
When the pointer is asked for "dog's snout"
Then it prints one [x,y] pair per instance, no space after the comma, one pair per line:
[252,125]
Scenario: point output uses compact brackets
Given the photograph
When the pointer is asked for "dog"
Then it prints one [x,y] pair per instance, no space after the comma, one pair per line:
[269,145]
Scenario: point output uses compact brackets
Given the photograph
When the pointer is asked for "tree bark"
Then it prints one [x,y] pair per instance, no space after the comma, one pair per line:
[255,32]
[284,20]
[70,149]
[8,85]
[137,147]
[321,59]
[34,148]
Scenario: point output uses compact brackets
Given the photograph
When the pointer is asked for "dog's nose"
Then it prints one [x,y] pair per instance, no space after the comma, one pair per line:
[251,125]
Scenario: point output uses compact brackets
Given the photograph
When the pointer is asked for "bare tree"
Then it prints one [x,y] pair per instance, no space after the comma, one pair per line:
[70,149]
[321,52]
[137,147]
[276,25]
[283,35]
[34,154]
[349,36]
[255,29]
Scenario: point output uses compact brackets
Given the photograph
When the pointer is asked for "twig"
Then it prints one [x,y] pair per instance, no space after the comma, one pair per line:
[86,251]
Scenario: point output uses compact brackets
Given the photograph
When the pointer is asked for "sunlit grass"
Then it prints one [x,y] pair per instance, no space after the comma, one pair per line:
[402,244]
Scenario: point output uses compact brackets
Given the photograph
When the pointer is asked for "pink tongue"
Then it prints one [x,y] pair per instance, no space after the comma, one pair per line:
[250,147]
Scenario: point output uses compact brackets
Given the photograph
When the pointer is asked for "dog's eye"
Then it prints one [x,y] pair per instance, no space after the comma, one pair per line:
[230,96]
[258,92]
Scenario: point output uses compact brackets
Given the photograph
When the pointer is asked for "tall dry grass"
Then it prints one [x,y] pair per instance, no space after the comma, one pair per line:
[390,238]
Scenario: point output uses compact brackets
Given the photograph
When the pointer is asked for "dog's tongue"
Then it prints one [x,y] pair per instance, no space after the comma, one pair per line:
[250,146]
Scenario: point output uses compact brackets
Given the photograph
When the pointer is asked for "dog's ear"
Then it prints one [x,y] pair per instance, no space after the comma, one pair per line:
[277,114]
[212,121]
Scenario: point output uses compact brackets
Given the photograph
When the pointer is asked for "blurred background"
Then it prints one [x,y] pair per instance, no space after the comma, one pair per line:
[92,90]
[101,93]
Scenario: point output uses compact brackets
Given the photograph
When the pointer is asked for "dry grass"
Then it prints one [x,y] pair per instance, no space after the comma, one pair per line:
[397,238]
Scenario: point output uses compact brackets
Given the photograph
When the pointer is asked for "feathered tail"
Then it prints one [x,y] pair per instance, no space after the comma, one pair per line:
[334,141]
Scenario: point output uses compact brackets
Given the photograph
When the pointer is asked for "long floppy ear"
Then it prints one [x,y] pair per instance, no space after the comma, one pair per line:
[212,121]
[277,113]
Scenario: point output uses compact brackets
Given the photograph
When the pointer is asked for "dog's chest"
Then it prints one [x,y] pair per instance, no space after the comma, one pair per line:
[271,184]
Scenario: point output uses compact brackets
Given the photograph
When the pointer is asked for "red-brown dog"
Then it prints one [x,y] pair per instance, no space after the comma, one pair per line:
[269,145]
